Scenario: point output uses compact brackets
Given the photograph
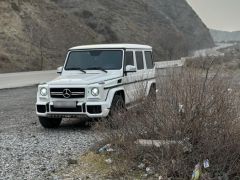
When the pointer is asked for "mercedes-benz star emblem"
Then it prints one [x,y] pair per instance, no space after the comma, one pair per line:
[67,93]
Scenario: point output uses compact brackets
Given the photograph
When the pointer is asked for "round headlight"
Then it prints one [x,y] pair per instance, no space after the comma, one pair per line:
[95,91]
[43,91]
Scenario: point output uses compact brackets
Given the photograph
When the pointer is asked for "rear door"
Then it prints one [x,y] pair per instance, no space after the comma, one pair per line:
[142,74]
[129,79]
[150,69]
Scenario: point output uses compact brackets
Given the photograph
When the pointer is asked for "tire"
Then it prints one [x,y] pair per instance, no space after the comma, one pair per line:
[50,122]
[118,105]
[152,95]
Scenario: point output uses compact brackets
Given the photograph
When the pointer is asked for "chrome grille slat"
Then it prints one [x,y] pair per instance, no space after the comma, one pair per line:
[56,93]
[78,93]
[75,92]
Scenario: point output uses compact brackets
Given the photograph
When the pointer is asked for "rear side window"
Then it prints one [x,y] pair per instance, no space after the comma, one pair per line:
[149,60]
[129,58]
[139,58]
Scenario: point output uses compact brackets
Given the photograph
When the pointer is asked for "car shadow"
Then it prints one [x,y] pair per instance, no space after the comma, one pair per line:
[76,124]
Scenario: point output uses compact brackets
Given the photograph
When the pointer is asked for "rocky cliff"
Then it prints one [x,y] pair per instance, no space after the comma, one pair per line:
[35,35]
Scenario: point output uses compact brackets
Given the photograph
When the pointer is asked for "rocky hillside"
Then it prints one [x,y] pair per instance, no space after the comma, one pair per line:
[35,35]
[225,36]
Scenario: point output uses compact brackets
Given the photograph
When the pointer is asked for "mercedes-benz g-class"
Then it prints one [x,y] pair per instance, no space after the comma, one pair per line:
[95,80]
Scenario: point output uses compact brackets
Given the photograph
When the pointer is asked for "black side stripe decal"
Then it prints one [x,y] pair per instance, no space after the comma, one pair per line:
[114,86]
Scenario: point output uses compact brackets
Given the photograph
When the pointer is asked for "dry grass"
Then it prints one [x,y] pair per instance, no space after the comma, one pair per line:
[88,165]
[93,165]
[198,108]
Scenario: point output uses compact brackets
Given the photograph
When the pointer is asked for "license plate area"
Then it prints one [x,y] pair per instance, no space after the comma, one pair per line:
[65,104]
[67,116]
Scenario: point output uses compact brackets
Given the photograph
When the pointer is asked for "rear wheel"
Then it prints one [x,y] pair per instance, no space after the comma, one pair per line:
[50,122]
[152,93]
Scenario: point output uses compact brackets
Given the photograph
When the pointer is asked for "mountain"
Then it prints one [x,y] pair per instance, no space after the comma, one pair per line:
[225,36]
[35,35]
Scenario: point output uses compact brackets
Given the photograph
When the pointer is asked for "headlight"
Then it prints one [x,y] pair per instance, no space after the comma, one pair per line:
[43,91]
[95,91]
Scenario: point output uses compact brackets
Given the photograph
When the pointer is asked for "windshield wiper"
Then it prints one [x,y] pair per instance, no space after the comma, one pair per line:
[97,68]
[76,68]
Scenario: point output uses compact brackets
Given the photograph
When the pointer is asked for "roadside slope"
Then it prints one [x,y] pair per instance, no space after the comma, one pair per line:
[171,27]
[36,34]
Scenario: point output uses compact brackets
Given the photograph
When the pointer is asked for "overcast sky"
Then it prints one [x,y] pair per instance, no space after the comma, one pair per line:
[218,14]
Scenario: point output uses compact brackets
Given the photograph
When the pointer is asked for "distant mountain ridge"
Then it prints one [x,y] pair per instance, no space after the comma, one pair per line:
[35,35]
[225,36]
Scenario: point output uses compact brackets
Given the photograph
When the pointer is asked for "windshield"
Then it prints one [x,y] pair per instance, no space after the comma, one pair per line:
[95,60]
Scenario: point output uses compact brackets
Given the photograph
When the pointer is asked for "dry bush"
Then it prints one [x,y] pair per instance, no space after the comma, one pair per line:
[198,110]
[229,62]
[205,62]
[3,57]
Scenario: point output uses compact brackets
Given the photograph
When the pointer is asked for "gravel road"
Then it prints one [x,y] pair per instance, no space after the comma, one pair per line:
[28,151]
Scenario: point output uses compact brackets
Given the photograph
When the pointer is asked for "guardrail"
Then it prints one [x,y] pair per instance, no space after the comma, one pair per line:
[211,52]
[170,64]
[21,79]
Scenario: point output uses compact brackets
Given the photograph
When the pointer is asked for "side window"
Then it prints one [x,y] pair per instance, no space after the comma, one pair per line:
[129,58]
[139,58]
[149,60]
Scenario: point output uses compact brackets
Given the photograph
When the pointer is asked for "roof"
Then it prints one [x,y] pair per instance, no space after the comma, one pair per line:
[112,46]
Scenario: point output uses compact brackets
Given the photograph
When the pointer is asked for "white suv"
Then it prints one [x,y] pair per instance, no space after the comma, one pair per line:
[95,81]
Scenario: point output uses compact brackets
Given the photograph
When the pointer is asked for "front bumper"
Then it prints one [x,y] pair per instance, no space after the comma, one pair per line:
[88,109]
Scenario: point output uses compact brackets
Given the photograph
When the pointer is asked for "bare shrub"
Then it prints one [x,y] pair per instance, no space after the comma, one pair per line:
[4,57]
[228,62]
[15,6]
[195,109]
[205,62]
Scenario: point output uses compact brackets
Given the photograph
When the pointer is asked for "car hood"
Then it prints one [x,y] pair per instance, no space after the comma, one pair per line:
[82,79]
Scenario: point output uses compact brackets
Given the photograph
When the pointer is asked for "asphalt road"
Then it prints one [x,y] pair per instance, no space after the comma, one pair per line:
[13,80]
[28,151]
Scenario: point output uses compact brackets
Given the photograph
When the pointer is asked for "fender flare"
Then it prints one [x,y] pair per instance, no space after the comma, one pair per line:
[149,85]
[111,94]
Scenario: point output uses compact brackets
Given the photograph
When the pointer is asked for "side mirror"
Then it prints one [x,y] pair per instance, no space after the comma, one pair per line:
[130,68]
[59,70]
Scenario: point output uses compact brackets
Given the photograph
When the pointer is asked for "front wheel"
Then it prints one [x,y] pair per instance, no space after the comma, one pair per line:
[117,109]
[118,106]
[50,122]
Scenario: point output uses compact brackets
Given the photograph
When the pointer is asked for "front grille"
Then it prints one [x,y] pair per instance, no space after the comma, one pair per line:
[77,109]
[67,93]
